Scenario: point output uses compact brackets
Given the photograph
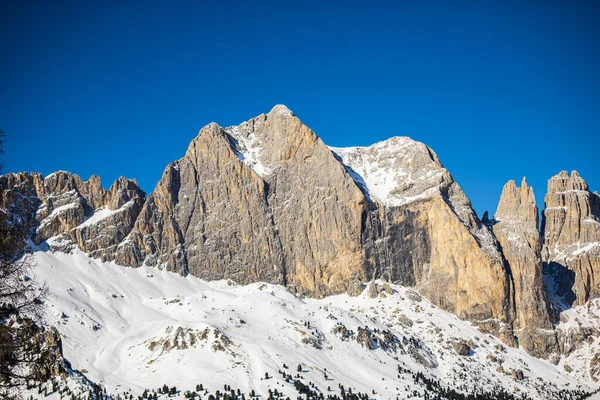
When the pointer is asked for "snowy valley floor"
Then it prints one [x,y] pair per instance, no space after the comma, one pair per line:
[131,329]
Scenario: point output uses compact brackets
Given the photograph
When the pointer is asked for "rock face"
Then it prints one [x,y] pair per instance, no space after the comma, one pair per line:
[18,206]
[461,348]
[264,201]
[208,216]
[115,213]
[571,231]
[414,204]
[317,209]
[62,204]
[515,225]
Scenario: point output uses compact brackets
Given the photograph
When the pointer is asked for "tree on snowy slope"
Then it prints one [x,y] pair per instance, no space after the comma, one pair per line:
[21,358]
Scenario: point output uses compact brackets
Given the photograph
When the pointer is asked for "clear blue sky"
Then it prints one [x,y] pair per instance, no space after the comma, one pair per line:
[498,89]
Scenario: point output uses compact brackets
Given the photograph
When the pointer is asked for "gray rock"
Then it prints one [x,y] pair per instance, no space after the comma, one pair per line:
[517,374]
[372,290]
[594,367]
[412,295]
[405,321]
[571,229]
[461,348]
[516,228]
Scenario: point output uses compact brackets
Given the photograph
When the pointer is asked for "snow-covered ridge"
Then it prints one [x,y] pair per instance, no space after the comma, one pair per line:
[395,171]
[55,173]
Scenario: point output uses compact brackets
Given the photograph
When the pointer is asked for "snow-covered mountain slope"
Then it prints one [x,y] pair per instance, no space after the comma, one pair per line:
[395,171]
[142,328]
[580,328]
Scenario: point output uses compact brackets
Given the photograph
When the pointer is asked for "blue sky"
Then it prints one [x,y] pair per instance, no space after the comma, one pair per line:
[498,89]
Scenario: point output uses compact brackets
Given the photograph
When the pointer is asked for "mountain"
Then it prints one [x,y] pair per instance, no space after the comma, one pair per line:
[268,201]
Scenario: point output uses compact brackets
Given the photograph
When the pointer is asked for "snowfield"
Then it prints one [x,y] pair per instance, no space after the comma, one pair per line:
[141,328]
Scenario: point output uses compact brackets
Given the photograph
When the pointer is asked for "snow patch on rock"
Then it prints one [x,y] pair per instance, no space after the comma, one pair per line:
[103,213]
[247,148]
[395,172]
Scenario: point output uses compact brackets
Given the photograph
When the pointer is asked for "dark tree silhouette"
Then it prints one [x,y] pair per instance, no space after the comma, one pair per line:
[20,299]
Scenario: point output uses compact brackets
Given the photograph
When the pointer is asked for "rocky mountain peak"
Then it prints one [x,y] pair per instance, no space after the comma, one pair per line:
[518,204]
[571,230]
[121,192]
[569,204]
[515,226]
[282,110]
[562,182]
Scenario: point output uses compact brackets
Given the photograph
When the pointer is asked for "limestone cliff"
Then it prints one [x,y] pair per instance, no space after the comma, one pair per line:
[61,204]
[515,225]
[571,231]
[115,212]
[263,201]
[208,216]
[422,231]
[316,207]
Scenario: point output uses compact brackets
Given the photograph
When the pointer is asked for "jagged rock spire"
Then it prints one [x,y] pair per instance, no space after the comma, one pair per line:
[518,204]
[516,231]
[571,231]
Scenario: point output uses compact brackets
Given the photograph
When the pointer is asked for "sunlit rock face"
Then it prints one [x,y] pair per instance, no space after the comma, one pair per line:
[515,225]
[571,231]
[63,205]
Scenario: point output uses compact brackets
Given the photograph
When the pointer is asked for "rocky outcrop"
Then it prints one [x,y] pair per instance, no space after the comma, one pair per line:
[461,348]
[571,231]
[115,213]
[594,367]
[38,350]
[18,206]
[208,216]
[515,225]
[414,204]
[317,208]
[62,204]
[538,342]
